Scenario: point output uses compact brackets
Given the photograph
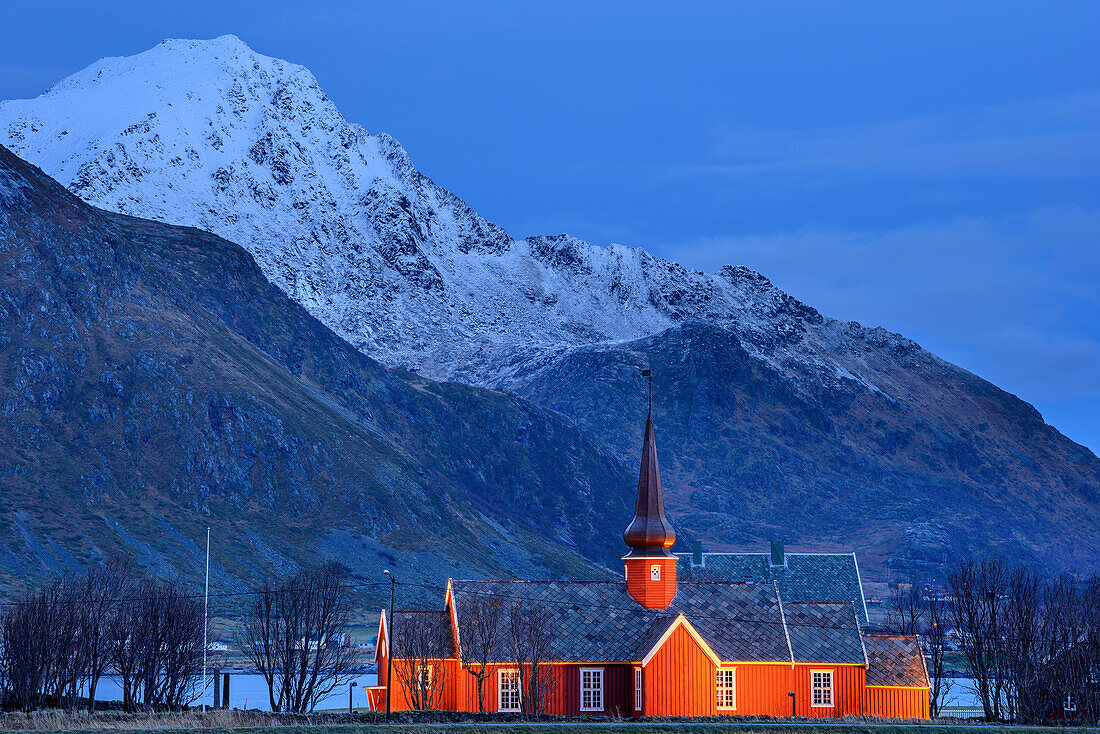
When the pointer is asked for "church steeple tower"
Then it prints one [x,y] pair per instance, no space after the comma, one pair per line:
[650,565]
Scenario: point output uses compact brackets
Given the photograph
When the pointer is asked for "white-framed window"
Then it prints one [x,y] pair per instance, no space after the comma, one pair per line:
[425,674]
[821,688]
[1069,703]
[508,690]
[725,685]
[637,689]
[655,572]
[591,689]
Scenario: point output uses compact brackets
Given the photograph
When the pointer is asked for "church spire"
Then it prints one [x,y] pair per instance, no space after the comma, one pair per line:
[650,567]
[649,533]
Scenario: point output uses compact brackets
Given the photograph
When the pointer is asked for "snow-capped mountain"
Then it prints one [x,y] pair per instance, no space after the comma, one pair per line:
[782,422]
[213,135]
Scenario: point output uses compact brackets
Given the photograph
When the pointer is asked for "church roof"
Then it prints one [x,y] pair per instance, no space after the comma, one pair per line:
[422,634]
[807,620]
[895,660]
[817,577]
[600,622]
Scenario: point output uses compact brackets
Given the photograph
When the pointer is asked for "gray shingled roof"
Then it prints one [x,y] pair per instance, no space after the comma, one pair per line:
[600,622]
[895,660]
[738,621]
[439,638]
[826,577]
[824,632]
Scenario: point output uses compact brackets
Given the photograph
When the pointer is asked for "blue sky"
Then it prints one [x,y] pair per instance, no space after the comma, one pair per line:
[930,167]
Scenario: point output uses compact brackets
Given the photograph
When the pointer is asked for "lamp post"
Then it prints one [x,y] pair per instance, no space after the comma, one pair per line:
[793,712]
[389,644]
[350,686]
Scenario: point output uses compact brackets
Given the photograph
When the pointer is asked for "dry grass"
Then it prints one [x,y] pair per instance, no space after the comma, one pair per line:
[118,721]
[225,721]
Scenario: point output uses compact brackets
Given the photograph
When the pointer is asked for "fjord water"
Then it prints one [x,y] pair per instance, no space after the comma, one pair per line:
[249,691]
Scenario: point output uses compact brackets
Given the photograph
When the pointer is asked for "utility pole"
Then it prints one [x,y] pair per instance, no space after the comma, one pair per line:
[389,644]
[205,619]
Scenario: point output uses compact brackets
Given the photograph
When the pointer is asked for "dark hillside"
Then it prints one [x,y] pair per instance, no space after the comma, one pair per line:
[154,383]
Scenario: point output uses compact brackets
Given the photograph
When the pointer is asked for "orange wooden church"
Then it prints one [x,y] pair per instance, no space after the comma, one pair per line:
[644,646]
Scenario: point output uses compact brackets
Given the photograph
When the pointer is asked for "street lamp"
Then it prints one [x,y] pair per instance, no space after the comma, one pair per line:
[351,685]
[389,645]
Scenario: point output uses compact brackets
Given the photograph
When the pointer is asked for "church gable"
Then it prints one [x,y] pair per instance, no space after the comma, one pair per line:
[677,634]
[679,674]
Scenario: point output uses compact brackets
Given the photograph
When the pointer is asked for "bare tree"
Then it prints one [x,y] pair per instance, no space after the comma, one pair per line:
[103,590]
[1031,643]
[28,649]
[155,645]
[907,607]
[42,644]
[263,636]
[993,582]
[292,634]
[71,632]
[972,600]
[1020,664]
[1088,675]
[126,642]
[65,628]
[935,643]
[482,641]
[419,645]
[181,672]
[531,637]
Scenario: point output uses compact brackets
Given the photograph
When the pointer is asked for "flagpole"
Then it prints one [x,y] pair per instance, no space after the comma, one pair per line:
[205,619]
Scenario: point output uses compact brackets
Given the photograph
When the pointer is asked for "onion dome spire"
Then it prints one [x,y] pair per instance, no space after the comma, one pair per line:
[649,533]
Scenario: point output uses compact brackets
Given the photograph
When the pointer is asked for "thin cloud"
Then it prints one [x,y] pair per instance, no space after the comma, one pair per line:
[1057,137]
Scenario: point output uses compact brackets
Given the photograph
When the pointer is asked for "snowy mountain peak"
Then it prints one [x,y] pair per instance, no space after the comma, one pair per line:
[213,135]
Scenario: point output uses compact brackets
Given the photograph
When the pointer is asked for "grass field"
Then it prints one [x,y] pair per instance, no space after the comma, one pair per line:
[214,722]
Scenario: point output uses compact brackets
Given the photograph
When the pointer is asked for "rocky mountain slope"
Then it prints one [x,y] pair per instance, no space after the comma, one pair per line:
[156,383]
[781,421]
[930,465]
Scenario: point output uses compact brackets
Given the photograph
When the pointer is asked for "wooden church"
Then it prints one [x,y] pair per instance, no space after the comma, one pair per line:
[648,645]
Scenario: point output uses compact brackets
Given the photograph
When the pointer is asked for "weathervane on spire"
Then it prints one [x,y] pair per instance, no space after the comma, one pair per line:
[648,374]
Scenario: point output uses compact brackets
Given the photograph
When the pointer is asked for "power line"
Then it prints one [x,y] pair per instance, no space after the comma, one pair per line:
[134,599]
[635,610]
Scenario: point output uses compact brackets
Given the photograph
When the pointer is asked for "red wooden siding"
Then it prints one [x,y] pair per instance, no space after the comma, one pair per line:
[465,684]
[450,678]
[679,680]
[618,690]
[762,690]
[461,690]
[897,703]
[848,686]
